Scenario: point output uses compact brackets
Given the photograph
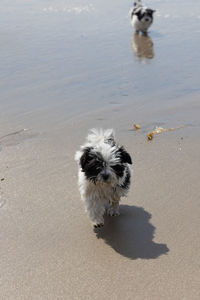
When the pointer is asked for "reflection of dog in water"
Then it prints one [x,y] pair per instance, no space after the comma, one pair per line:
[142,46]
[141,16]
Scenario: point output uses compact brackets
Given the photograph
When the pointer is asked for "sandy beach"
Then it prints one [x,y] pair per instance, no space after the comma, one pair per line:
[48,247]
[52,94]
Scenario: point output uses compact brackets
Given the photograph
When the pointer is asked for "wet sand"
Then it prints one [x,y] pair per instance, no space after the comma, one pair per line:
[48,247]
[58,81]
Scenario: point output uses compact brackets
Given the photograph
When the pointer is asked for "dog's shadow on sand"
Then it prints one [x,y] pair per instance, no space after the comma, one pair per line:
[131,234]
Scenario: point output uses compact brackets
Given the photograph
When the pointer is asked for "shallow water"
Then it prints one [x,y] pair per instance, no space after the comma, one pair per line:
[77,56]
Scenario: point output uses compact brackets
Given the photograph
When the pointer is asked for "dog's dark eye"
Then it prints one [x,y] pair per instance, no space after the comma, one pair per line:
[119,170]
[96,163]
[99,167]
[99,164]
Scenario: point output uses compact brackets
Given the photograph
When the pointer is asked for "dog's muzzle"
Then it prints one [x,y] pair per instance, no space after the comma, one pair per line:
[105,176]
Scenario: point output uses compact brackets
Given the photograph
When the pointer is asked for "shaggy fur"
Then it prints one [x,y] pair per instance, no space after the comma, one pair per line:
[141,17]
[104,174]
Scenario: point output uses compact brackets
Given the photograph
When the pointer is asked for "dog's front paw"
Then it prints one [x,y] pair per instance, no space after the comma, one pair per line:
[98,225]
[113,212]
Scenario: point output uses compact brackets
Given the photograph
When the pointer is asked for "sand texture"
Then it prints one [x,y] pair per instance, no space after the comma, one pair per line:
[48,247]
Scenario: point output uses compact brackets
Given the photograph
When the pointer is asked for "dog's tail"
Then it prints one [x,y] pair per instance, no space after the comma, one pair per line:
[136,6]
[99,135]
[137,3]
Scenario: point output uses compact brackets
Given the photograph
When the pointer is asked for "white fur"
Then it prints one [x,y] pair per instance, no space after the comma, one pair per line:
[143,24]
[97,197]
[140,25]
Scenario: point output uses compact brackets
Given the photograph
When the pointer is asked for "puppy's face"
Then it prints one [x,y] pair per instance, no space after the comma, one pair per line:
[104,166]
[145,15]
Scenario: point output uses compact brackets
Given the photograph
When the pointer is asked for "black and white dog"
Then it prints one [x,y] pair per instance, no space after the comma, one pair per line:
[104,174]
[141,17]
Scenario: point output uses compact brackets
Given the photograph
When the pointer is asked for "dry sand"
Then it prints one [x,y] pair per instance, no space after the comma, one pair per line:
[48,247]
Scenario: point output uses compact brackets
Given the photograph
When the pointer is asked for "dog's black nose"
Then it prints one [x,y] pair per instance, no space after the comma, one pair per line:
[105,176]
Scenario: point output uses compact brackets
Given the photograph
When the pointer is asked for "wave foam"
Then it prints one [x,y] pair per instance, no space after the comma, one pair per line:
[70,10]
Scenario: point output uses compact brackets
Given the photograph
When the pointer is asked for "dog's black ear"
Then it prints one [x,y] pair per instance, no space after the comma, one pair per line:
[86,157]
[151,11]
[125,157]
[138,14]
